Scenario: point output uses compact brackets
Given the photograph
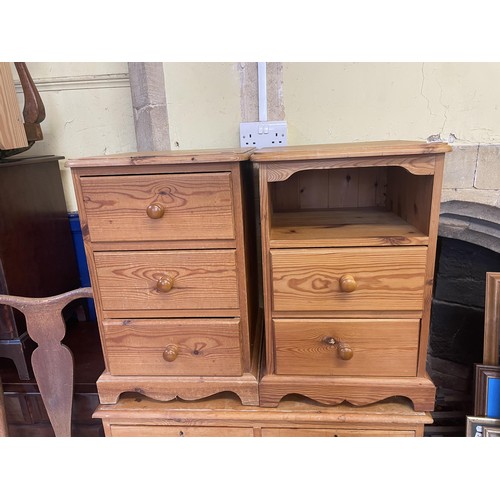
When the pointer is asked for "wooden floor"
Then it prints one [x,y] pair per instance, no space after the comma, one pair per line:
[26,415]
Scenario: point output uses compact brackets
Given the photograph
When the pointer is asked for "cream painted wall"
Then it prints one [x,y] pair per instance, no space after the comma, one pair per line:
[89,108]
[88,112]
[343,102]
[203,102]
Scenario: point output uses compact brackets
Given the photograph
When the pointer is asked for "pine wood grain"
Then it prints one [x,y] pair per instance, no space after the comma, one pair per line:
[196,207]
[294,416]
[243,223]
[380,347]
[358,391]
[342,227]
[381,200]
[266,212]
[410,197]
[433,224]
[205,346]
[187,388]
[388,279]
[177,431]
[348,150]
[203,280]
[212,247]
[279,171]
[336,432]
[331,188]
[12,133]
[177,157]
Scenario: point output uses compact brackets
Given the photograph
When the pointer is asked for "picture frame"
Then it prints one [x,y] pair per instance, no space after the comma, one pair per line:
[486,391]
[482,427]
[491,431]
[492,320]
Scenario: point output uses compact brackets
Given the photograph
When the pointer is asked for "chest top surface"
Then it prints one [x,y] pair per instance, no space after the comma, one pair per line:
[164,158]
[348,150]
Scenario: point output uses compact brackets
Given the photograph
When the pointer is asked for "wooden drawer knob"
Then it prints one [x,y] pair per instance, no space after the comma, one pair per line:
[165,284]
[155,211]
[171,352]
[344,351]
[348,283]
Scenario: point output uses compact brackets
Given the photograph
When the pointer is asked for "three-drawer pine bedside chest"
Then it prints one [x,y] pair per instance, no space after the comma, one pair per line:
[171,248]
[348,248]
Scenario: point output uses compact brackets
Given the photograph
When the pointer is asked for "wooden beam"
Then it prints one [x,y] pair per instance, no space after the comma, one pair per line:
[147,84]
[275,103]
[249,95]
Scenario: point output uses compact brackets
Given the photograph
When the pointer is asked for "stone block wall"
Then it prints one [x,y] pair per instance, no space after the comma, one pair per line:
[472,174]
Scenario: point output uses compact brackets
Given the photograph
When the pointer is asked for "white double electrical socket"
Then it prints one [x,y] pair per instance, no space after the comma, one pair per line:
[263,134]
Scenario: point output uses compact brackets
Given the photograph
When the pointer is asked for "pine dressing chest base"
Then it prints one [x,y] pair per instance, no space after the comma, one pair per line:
[170,242]
[348,248]
[224,416]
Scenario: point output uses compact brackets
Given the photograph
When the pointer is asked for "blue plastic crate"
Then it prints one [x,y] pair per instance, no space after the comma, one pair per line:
[83,269]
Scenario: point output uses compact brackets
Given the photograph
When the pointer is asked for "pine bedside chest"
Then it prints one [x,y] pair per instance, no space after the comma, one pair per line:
[348,247]
[170,244]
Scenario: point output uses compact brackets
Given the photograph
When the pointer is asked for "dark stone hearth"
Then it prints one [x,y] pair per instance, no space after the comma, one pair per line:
[461,272]
[450,375]
[457,318]
[457,332]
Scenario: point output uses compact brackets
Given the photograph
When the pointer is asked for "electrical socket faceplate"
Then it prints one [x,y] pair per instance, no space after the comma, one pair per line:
[263,134]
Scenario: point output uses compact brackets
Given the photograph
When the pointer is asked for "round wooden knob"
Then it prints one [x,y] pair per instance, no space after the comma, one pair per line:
[165,284]
[155,211]
[348,283]
[170,353]
[344,351]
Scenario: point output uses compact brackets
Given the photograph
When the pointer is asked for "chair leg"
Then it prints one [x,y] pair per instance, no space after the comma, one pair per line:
[3,416]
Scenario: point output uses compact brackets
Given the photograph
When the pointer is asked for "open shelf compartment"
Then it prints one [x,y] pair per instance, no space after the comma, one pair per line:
[379,206]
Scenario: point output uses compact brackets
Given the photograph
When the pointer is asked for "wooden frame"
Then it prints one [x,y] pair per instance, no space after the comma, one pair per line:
[492,320]
[306,211]
[482,427]
[487,391]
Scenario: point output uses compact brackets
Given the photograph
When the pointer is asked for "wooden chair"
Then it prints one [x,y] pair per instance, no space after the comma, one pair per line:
[52,361]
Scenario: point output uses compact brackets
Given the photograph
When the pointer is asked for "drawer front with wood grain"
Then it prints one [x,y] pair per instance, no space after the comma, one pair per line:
[173,347]
[167,280]
[337,433]
[181,431]
[354,279]
[351,347]
[163,207]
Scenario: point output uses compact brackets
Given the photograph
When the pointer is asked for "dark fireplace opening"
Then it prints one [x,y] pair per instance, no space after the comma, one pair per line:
[457,330]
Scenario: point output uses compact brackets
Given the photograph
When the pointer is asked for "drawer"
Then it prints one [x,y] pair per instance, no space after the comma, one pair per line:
[353,279]
[337,433]
[183,207]
[167,431]
[317,347]
[167,280]
[173,347]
